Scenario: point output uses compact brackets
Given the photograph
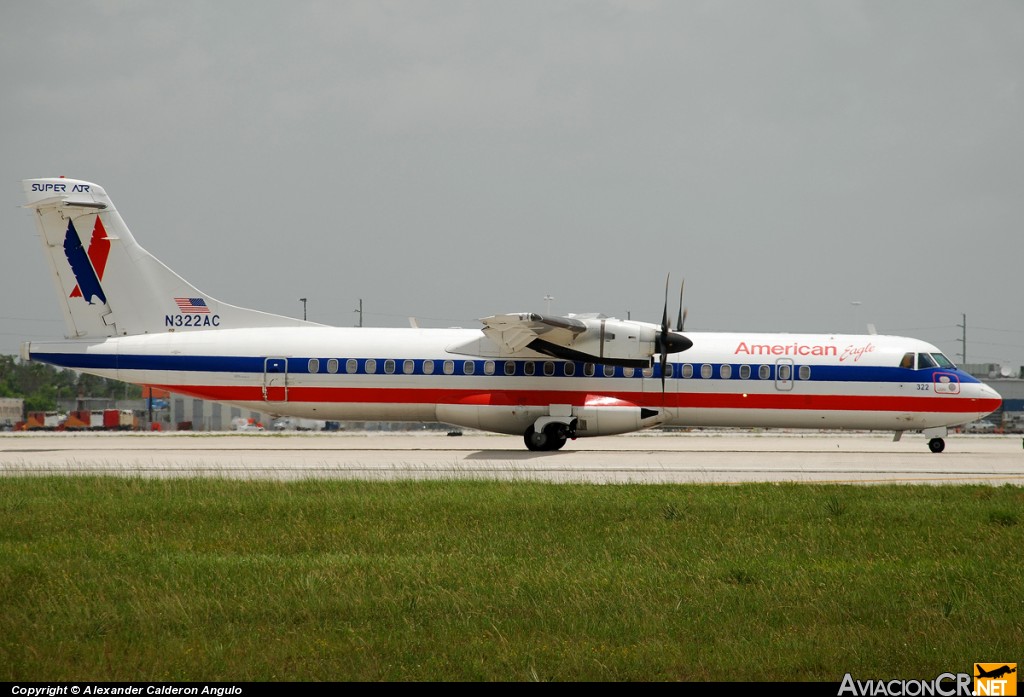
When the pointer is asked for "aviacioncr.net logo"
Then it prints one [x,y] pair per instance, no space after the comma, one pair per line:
[944,685]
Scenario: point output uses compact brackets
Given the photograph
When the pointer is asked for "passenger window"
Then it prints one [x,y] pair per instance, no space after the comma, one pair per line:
[332,365]
[314,365]
[785,371]
[389,366]
[669,370]
[570,369]
[448,367]
[706,370]
[488,367]
[805,372]
[627,372]
[609,371]
[510,368]
[529,368]
[925,361]
[469,367]
[588,370]
[428,367]
[907,361]
[687,370]
[764,372]
[351,366]
[744,372]
[725,372]
[371,366]
[549,368]
[408,367]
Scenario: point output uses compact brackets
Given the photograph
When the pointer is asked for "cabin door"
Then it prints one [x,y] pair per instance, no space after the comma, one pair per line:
[275,380]
[784,374]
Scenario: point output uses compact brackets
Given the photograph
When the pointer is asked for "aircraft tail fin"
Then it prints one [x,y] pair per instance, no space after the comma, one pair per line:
[106,283]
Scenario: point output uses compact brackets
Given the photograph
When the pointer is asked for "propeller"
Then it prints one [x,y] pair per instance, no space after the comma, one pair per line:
[668,341]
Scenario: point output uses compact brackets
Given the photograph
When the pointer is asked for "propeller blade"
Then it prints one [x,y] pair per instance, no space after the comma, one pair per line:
[665,342]
[682,315]
[664,312]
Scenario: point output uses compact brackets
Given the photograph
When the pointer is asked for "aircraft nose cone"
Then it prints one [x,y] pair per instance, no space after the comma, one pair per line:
[989,393]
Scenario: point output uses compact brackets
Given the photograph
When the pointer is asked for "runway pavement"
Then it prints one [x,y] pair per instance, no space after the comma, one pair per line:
[650,457]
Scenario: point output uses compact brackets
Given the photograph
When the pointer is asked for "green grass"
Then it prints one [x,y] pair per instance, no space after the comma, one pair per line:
[132,579]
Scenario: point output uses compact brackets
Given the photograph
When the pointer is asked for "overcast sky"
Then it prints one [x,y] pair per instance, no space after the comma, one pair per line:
[453,160]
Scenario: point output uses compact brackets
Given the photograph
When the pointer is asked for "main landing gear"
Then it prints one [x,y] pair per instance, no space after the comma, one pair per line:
[551,437]
[936,445]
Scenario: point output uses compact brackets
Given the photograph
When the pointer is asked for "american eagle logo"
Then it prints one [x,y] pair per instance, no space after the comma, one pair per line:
[88,266]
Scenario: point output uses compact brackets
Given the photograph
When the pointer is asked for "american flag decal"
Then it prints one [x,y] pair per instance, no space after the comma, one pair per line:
[192,305]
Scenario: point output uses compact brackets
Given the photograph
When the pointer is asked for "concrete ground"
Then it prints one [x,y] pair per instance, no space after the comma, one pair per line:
[650,457]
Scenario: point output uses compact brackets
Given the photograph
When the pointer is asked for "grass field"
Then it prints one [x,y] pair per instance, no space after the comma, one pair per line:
[133,579]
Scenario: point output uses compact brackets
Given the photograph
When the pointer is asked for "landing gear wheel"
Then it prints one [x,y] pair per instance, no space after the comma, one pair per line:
[936,445]
[556,436]
[535,441]
[553,437]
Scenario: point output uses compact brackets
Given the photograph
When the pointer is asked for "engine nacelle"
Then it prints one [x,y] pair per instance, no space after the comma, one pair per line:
[609,341]
[617,339]
[590,338]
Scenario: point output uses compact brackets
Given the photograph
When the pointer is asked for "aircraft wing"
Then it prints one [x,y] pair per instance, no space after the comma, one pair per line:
[516,331]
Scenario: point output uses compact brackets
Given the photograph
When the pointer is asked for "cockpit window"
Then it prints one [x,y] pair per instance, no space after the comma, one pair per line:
[943,361]
[925,361]
[907,361]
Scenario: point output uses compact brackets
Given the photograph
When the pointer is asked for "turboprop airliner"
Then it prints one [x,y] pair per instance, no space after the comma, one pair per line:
[546,378]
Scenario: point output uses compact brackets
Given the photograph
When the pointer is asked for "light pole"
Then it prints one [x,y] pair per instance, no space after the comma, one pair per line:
[856,315]
[303,301]
[549,298]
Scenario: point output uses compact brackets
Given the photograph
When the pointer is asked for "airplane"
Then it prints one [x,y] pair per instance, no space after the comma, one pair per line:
[546,378]
[995,672]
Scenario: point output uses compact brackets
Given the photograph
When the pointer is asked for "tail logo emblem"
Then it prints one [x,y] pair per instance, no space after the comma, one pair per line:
[88,267]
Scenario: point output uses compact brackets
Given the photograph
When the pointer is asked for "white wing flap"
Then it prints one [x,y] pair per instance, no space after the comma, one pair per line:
[515,332]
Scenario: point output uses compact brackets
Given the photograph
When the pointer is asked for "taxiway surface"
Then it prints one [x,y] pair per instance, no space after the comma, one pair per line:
[651,457]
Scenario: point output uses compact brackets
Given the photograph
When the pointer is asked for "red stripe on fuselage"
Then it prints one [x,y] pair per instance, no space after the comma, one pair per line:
[687,400]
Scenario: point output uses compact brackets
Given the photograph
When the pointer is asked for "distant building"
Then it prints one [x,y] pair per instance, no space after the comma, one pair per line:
[992,370]
[12,410]
[1009,383]
[188,413]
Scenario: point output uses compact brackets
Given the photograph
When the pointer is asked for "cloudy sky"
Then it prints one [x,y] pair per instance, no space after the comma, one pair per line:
[805,165]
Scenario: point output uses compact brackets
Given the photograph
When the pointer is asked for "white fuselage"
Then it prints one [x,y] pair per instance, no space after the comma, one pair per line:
[458,376]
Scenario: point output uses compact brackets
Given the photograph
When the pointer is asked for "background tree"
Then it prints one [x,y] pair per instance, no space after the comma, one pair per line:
[42,386]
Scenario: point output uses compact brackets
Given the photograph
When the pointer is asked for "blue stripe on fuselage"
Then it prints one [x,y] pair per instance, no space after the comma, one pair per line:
[256,364]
